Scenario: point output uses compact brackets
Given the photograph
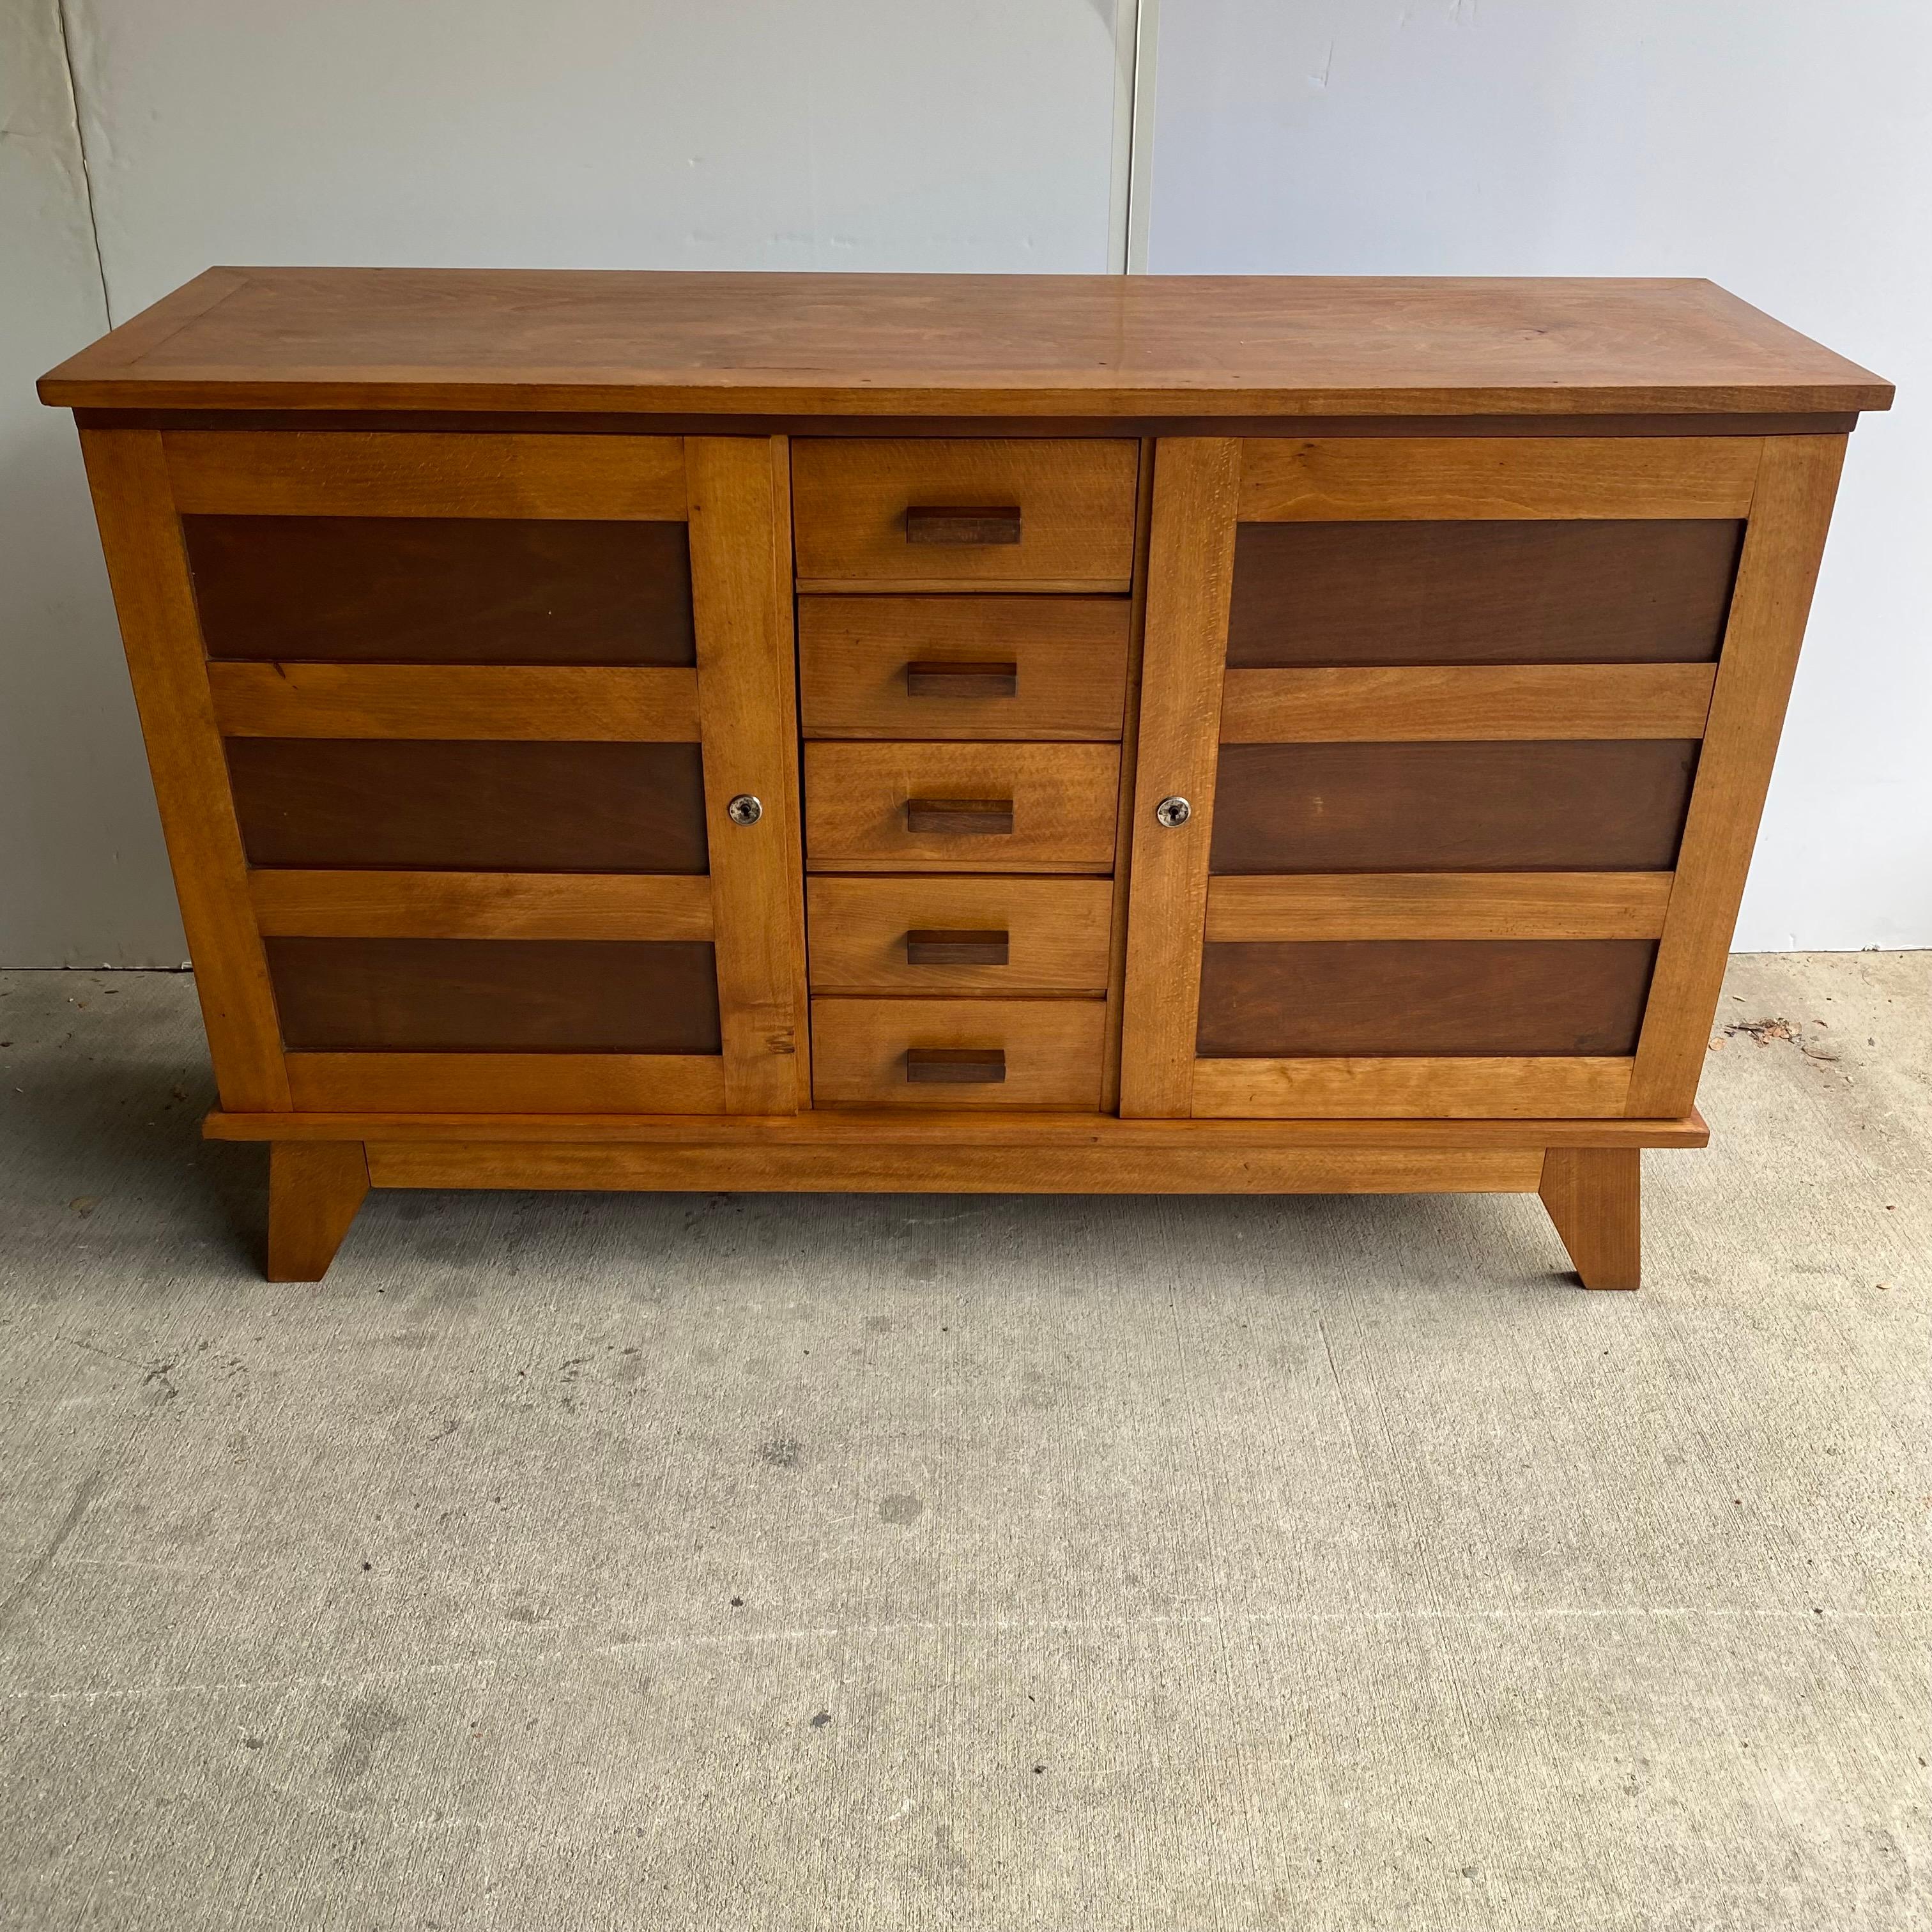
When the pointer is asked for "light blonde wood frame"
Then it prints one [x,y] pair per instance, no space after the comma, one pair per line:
[1589,1185]
[734,493]
[1782,486]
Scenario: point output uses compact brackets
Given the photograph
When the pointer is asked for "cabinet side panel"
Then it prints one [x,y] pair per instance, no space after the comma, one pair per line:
[1784,541]
[1189,571]
[740,491]
[148,568]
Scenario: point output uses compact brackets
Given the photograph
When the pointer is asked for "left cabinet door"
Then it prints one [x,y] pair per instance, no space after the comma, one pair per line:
[454,737]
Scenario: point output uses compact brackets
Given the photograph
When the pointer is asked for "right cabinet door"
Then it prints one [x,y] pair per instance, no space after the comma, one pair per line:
[1473,734]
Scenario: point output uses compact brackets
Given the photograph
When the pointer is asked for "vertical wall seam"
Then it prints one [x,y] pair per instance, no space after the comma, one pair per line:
[86,169]
[1140,137]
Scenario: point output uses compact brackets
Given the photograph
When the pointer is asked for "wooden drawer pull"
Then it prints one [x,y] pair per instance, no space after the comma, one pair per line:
[929,946]
[931,678]
[999,524]
[956,1065]
[990,815]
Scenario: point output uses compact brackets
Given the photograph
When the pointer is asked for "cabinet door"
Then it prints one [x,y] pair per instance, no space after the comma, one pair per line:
[447,731]
[1473,734]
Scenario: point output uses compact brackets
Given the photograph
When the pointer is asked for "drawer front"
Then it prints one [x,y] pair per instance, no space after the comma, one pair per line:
[981,808]
[984,512]
[1033,1054]
[948,934]
[981,667]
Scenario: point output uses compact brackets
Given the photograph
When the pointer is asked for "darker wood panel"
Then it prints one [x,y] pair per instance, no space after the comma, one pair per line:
[443,589]
[436,805]
[491,995]
[1542,592]
[1581,805]
[1429,996]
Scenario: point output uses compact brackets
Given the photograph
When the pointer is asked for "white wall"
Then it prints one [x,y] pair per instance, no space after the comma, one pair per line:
[1780,146]
[83,877]
[975,134]
[1783,147]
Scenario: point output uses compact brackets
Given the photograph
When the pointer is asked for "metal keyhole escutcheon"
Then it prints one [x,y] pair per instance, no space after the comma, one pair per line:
[745,809]
[1173,811]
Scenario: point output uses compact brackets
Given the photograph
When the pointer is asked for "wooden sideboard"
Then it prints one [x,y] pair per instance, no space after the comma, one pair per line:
[1057,734]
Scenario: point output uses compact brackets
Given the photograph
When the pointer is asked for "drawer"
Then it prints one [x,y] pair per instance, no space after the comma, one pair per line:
[963,666]
[960,512]
[961,808]
[1041,1054]
[948,935]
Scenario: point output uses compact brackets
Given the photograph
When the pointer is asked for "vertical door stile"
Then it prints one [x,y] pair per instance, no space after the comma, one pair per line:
[740,503]
[154,599]
[1190,576]
[1784,544]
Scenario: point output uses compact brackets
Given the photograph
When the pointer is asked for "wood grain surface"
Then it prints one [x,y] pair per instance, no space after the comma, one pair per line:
[1056,933]
[961,345]
[1375,998]
[481,905]
[1512,591]
[443,589]
[1063,798]
[1615,806]
[1189,569]
[1437,905]
[1068,657]
[1413,1086]
[888,1164]
[303,472]
[1346,479]
[496,995]
[397,805]
[851,498]
[1051,1050]
[1484,702]
[147,568]
[455,701]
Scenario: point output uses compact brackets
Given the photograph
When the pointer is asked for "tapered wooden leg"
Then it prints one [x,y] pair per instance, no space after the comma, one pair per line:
[314,1189]
[1594,1196]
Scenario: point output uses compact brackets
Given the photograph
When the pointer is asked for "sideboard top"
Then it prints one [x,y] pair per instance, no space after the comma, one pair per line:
[956,345]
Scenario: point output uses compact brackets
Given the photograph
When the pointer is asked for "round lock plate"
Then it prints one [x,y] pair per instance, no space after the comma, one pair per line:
[1171,811]
[745,810]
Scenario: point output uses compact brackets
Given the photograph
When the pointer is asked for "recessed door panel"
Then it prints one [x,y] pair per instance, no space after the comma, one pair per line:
[443,589]
[470,806]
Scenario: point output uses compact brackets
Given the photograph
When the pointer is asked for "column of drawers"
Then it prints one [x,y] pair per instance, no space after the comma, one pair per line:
[964,618]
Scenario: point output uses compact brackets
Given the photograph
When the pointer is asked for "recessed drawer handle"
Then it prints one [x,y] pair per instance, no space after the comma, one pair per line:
[991,815]
[956,1065]
[929,946]
[996,524]
[930,677]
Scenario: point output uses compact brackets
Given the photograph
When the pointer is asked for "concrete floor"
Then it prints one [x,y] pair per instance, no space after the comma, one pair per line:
[748,1561]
